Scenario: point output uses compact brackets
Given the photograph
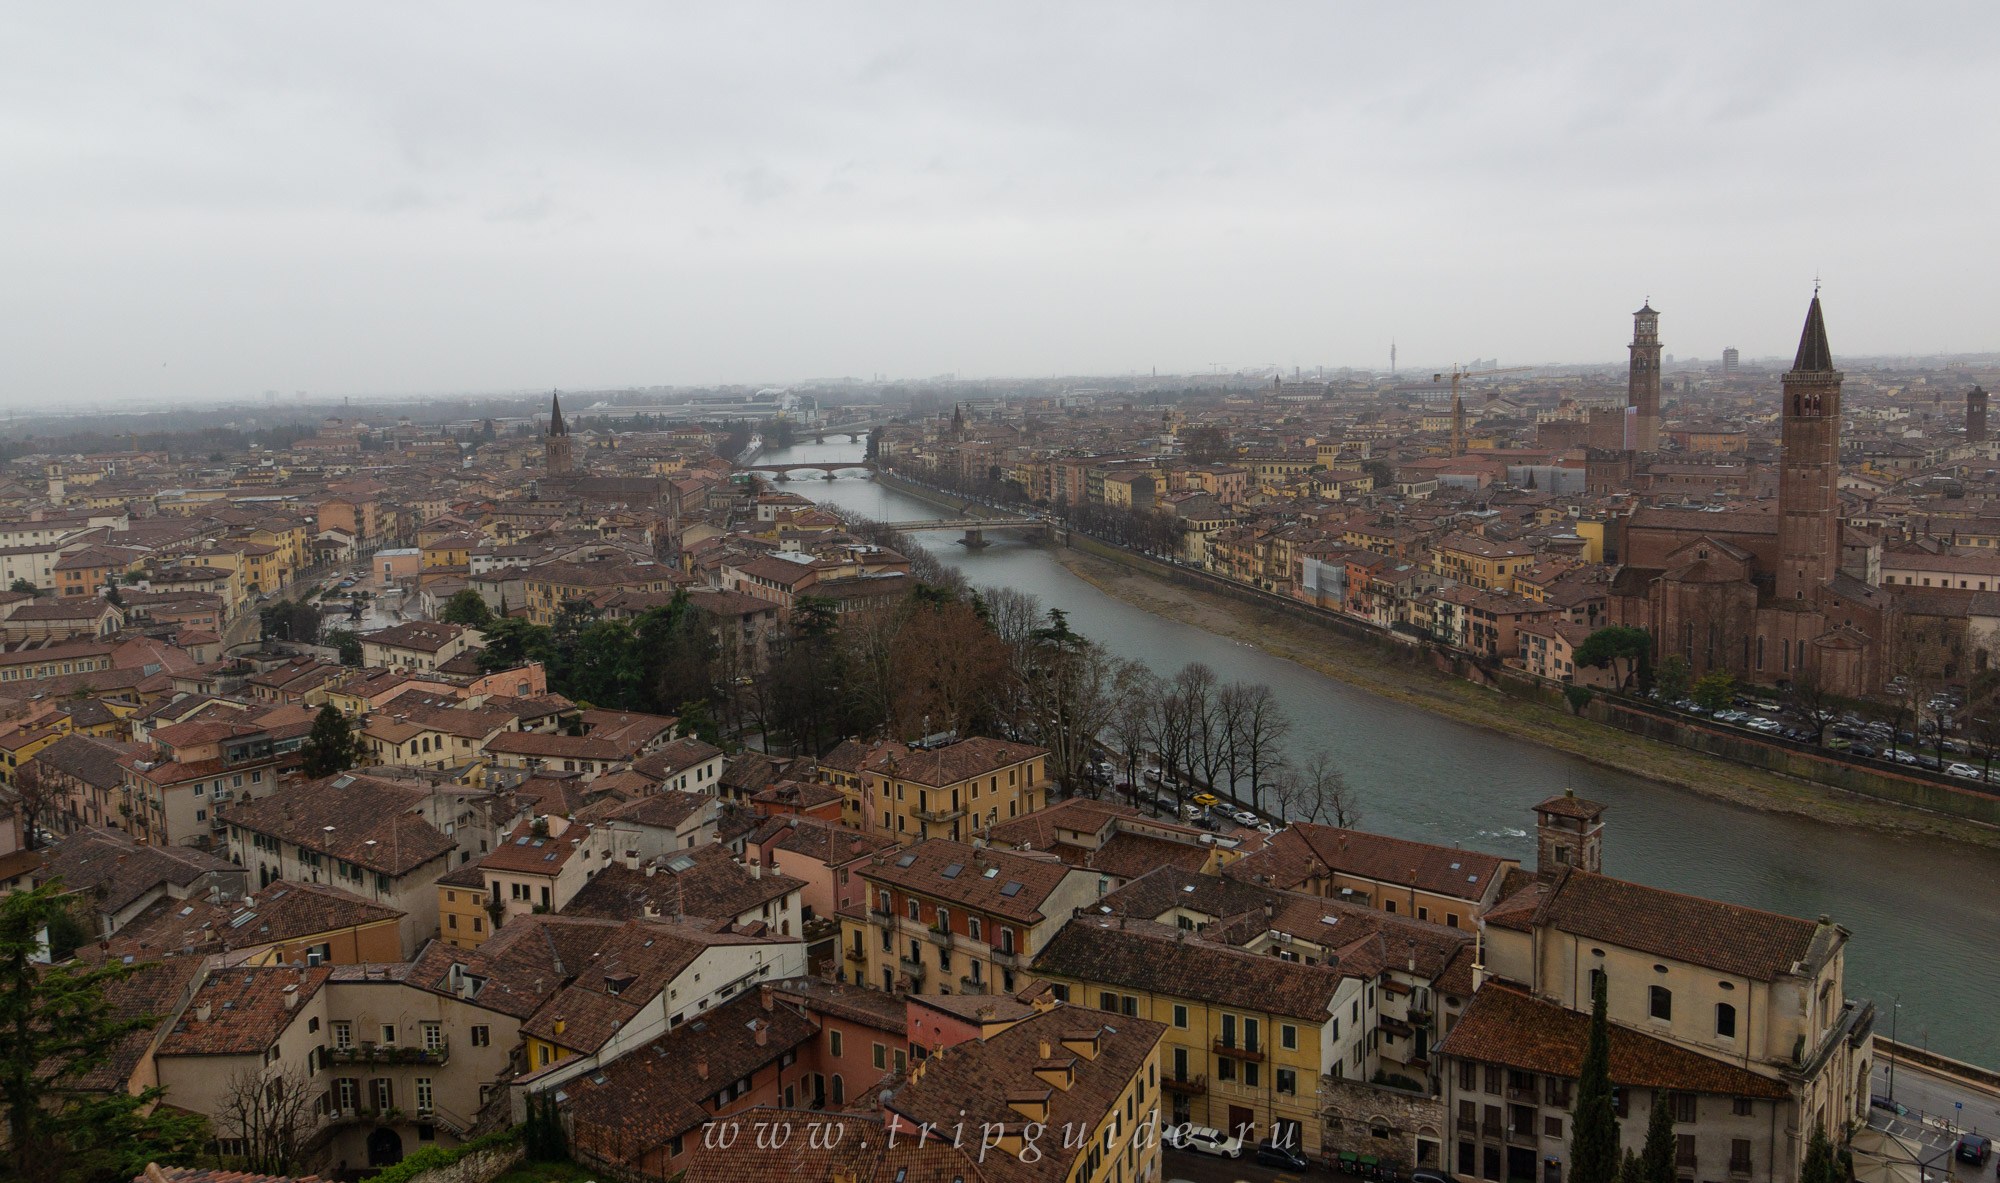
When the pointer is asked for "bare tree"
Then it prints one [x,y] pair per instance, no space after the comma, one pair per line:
[1231,703]
[1810,698]
[38,800]
[1317,792]
[1171,732]
[1196,686]
[1258,727]
[270,1114]
[1132,724]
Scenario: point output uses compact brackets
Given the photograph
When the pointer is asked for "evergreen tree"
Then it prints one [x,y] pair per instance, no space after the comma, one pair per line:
[468,608]
[1633,1171]
[1656,1162]
[1818,1167]
[60,1026]
[1593,1142]
[331,747]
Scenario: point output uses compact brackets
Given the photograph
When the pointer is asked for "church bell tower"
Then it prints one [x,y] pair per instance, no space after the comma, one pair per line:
[1809,467]
[1642,383]
[557,456]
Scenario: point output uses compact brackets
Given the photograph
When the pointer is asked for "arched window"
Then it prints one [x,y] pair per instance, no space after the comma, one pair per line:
[1725,1020]
[839,1090]
[1661,1005]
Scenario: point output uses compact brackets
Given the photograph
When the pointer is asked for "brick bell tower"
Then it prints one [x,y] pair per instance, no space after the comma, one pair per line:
[1809,467]
[557,456]
[1642,384]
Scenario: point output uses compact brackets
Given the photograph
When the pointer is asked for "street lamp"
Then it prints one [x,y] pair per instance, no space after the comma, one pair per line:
[1895,1013]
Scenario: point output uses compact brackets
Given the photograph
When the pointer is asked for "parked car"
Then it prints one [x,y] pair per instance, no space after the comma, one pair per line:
[1966,771]
[1286,1158]
[1206,799]
[1246,817]
[1203,1139]
[1974,1148]
[1881,1102]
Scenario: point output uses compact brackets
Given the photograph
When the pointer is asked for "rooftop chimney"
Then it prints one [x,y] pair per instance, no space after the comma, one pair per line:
[763,1032]
[701,1069]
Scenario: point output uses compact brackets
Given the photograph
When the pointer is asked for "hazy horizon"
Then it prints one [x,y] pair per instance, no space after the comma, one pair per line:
[204,204]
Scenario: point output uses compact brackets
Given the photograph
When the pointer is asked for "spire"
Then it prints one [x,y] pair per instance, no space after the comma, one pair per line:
[1814,354]
[556,426]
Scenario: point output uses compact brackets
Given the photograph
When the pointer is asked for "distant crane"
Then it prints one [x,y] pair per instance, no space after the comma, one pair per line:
[1458,409]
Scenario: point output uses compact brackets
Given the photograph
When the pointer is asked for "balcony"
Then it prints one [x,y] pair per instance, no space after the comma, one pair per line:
[368,1053]
[1522,1136]
[1228,1048]
[939,815]
[1527,1096]
[914,970]
[971,986]
[1005,959]
[881,915]
[1193,1086]
[857,956]
[938,936]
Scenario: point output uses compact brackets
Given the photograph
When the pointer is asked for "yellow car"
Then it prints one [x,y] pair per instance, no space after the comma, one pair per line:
[1206,799]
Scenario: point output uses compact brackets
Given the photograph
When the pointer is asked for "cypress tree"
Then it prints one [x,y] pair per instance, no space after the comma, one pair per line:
[331,747]
[1818,1167]
[1593,1142]
[1656,1162]
[1633,1171]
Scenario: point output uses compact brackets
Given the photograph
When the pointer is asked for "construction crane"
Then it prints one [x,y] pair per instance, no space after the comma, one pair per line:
[1458,410]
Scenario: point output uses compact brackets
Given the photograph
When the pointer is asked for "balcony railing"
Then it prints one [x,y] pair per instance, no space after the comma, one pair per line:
[1005,959]
[881,915]
[1193,1085]
[1522,1136]
[1527,1096]
[915,969]
[940,815]
[971,986]
[368,1053]
[858,956]
[938,936]
[1229,1048]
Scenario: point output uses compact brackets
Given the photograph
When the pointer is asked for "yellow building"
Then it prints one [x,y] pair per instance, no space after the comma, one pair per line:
[1248,1035]
[1481,563]
[948,791]
[463,921]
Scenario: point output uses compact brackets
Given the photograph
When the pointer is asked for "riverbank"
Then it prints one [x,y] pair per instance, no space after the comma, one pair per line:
[1372,669]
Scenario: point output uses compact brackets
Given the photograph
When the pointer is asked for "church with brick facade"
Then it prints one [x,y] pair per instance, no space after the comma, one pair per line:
[1764,592]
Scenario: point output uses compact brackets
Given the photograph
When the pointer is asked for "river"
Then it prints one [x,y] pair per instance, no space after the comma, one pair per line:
[1921,910]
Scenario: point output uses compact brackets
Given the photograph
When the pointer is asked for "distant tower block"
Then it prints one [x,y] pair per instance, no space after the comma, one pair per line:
[557,454]
[1975,415]
[1730,360]
[1643,383]
[1569,832]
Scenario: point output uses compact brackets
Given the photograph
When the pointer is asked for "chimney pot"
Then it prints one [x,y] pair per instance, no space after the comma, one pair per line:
[701,1069]
[763,1033]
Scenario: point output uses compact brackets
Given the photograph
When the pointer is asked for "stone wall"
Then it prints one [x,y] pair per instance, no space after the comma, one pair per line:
[1361,1118]
[476,1167]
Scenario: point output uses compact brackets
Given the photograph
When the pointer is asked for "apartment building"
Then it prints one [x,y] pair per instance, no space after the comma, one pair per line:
[944,917]
[946,791]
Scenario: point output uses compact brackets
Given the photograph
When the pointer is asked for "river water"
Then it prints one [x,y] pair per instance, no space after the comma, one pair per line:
[1922,910]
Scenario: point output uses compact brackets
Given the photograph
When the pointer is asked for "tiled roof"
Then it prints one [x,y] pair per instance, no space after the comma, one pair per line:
[1506,1026]
[704,882]
[89,759]
[972,1082]
[116,870]
[1161,959]
[548,745]
[816,838]
[674,758]
[1303,850]
[1037,830]
[660,1090]
[951,763]
[246,1011]
[863,1155]
[1729,938]
[370,820]
[217,1175]
[995,881]
[666,809]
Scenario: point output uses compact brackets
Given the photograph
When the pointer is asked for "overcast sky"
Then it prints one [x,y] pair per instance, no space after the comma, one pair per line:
[215,200]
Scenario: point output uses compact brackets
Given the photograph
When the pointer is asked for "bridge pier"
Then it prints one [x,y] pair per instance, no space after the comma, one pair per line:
[975,539]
